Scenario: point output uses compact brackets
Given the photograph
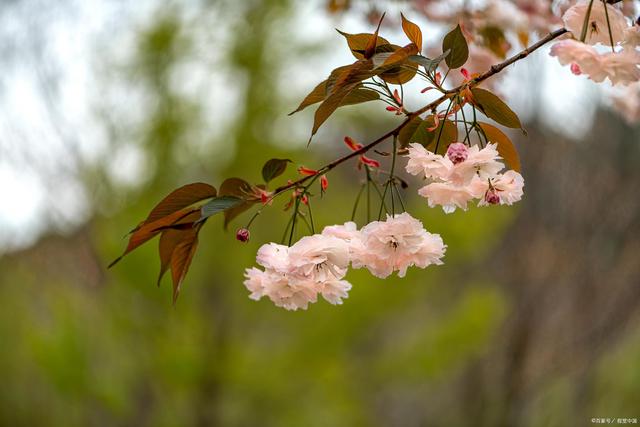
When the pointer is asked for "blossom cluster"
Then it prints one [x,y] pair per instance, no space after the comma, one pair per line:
[606,26]
[294,276]
[464,174]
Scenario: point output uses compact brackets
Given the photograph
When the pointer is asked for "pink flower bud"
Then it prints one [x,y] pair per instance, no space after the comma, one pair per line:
[457,152]
[575,69]
[492,197]
[243,235]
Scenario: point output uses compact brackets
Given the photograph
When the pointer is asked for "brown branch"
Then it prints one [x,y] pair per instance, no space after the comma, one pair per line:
[495,69]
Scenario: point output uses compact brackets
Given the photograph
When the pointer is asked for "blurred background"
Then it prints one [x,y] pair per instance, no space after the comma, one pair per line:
[106,106]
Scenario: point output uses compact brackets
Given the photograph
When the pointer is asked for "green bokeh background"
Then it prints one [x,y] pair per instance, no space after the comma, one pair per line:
[84,346]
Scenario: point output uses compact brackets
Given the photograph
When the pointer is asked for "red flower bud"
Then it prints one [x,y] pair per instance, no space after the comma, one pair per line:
[306,171]
[465,73]
[243,235]
[324,183]
[369,162]
[354,146]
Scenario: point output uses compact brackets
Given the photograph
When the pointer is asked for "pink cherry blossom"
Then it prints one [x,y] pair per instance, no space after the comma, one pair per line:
[482,163]
[347,232]
[257,282]
[397,244]
[292,295]
[509,187]
[622,67]
[584,56]
[597,30]
[273,256]
[334,291]
[632,36]
[451,196]
[277,287]
[319,258]
[424,162]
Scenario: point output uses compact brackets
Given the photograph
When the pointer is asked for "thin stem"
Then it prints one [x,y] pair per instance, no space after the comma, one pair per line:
[442,126]
[255,215]
[399,196]
[286,229]
[606,14]
[355,205]
[295,216]
[467,137]
[392,172]
[309,226]
[585,24]
[313,227]
[368,194]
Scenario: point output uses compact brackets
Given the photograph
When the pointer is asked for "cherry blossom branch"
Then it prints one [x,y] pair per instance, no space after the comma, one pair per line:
[495,69]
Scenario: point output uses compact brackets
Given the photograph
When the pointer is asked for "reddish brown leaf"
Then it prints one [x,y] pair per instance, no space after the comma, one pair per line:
[173,210]
[401,55]
[316,95]
[169,239]
[181,198]
[370,49]
[347,81]
[181,258]
[358,42]
[240,188]
[505,147]
[412,31]
[349,76]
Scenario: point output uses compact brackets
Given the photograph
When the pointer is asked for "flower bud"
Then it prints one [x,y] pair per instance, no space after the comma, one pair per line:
[575,69]
[243,235]
[457,152]
[491,197]
[324,183]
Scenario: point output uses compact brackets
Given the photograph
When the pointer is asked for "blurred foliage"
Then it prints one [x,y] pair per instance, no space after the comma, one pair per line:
[82,346]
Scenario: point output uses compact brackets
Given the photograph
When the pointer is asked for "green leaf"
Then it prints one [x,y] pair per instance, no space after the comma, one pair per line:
[429,65]
[219,204]
[495,108]
[274,168]
[359,96]
[447,131]
[412,132]
[455,42]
